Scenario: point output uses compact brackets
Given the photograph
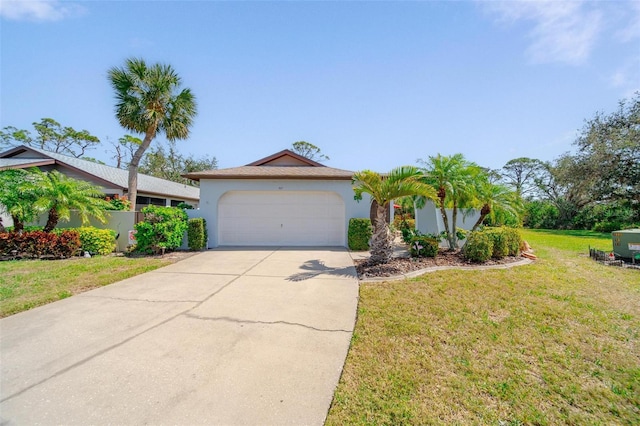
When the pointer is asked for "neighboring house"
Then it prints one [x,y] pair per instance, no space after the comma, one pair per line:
[283,199]
[151,190]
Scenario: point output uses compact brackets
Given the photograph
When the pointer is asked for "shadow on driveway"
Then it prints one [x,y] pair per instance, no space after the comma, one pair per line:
[317,267]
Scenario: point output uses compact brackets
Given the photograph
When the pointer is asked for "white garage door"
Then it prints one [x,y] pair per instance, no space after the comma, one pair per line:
[271,218]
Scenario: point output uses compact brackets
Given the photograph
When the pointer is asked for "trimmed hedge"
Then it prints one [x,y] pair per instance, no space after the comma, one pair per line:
[499,238]
[514,241]
[423,246]
[360,232]
[161,229]
[94,240]
[197,233]
[494,243]
[39,244]
[479,247]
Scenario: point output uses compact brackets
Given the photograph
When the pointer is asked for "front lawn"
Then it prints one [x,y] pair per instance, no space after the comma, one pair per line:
[555,342]
[25,284]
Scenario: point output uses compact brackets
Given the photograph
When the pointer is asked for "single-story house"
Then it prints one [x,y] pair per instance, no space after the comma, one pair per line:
[286,200]
[282,199]
[113,181]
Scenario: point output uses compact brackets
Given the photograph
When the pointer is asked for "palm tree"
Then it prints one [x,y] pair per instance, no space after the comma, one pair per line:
[148,102]
[59,194]
[17,196]
[454,178]
[494,198]
[400,182]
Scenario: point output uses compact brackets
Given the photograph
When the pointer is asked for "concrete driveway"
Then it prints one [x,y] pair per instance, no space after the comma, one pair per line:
[229,336]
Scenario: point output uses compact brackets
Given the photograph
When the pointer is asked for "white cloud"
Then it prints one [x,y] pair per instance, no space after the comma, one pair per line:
[630,30]
[563,31]
[38,10]
[627,76]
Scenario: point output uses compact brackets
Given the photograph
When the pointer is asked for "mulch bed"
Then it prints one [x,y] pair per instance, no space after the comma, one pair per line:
[403,265]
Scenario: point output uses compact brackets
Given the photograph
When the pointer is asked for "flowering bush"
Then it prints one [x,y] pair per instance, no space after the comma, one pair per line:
[119,202]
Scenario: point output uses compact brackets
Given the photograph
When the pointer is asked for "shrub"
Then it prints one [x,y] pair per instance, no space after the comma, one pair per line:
[184,206]
[97,241]
[360,231]
[118,202]
[39,244]
[161,229]
[479,247]
[399,222]
[197,233]
[607,226]
[514,241]
[408,234]
[499,239]
[423,246]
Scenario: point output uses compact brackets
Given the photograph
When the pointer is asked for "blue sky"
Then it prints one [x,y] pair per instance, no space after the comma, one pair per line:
[374,84]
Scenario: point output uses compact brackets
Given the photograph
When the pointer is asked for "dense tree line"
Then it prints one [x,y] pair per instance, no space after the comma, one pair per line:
[597,187]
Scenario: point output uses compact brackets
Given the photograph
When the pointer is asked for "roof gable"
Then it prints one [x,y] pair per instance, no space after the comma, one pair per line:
[285,158]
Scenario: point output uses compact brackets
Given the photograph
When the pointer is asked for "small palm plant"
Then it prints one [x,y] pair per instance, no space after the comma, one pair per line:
[493,198]
[400,182]
[454,177]
[58,194]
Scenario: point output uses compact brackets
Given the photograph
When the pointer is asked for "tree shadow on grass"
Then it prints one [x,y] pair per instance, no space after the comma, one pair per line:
[316,267]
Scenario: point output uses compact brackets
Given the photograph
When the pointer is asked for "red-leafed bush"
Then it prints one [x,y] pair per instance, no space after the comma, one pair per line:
[38,244]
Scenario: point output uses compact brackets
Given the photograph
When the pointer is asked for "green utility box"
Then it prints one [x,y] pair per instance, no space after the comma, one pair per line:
[626,244]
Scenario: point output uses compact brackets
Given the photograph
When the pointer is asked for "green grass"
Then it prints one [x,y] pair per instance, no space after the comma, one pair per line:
[26,284]
[554,342]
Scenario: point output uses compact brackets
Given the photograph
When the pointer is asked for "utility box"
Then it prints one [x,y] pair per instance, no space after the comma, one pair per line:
[626,244]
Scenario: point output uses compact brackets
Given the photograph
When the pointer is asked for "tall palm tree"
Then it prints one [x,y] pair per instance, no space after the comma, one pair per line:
[148,101]
[454,178]
[400,182]
[59,194]
[493,198]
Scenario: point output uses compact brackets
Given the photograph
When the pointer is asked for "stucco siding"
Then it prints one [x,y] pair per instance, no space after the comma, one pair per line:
[212,189]
[429,219]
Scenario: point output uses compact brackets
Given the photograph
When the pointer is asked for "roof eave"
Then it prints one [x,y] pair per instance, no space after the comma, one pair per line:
[38,163]
[263,177]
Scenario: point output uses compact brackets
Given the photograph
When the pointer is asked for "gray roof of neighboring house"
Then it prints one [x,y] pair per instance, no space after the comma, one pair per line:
[10,163]
[113,175]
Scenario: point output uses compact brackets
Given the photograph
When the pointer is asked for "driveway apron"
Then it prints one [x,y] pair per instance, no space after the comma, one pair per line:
[228,336]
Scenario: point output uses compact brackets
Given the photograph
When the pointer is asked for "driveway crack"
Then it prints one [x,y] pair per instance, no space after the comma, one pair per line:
[240,321]
[129,299]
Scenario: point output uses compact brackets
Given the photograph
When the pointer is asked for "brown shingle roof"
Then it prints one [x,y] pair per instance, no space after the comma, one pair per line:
[273,172]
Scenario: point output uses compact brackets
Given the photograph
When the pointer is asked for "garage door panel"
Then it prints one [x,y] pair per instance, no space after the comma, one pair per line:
[281,218]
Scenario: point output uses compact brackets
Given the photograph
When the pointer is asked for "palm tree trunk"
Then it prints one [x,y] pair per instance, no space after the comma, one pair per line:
[132,190]
[453,241]
[486,209]
[18,225]
[381,247]
[443,212]
[52,220]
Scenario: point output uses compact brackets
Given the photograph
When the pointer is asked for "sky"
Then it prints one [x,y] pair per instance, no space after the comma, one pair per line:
[375,85]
